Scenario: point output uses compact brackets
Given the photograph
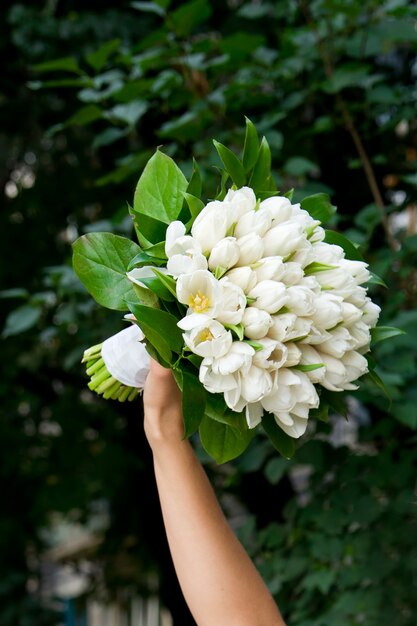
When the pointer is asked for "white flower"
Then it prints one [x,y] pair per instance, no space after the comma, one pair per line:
[186,263]
[239,202]
[211,340]
[243,277]
[328,310]
[233,303]
[256,323]
[292,273]
[225,254]
[357,269]
[371,313]
[253,222]
[256,384]
[282,325]
[125,358]
[254,412]
[339,342]
[301,329]
[361,335]
[215,383]
[251,249]
[278,207]
[210,225]
[239,357]
[232,397]
[310,356]
[177,242]
[201,292]
[137,273]
[292,398]
[300,300]
[350,313]
[340,373]
[269,268]
[283,239]
[272,355]
[269,295]
[327,254]
[293,354]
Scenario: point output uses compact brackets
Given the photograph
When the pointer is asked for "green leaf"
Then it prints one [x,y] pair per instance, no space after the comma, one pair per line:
[336,400]
[99,57]
[100,261]
[379,383]
[221,441]
[15,292]
[149,230]
[21,319]
[275,469]
[167,281]
[143,258]
[315,267]
[308,368]
[159,192]
[251,146]
[161,322]
[322,413]
[84,116]
[155,284]
[337,239]
[261,174]
[193,403]
[128,113]
[157,251]
[280,440]
[194,204]
[195,185]
[319,206]
[65,64]
[231,163]
[381,333]
[146,296]
[184,19]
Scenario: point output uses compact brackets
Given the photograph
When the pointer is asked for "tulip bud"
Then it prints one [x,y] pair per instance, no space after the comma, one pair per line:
[210,225]
[251,249]
[243,277]
[253,222]
[283,239]
[256,323]
[269,295]
[279,208]
[225,254]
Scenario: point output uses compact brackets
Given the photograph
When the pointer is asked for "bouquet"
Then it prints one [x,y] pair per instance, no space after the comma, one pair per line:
[262,314]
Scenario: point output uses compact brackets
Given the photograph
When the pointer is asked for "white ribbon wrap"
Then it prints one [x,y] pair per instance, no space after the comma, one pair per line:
[126,357]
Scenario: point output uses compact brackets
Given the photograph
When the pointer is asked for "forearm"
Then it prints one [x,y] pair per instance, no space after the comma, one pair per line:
[219,581]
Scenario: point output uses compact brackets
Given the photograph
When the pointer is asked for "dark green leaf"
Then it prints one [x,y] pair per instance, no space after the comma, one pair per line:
[99,57]
[149,230]
[161,322]
[231,163]
[155,284]
[84,116]
[195,184]
[377,380]
[146,296]
[376,280]
[337,239]
[193,403]
[280,440]
[65,64]
[100,261]
[189,15]
[167,281]
[194,204]
[319,206]
[261,174]
[221,441]
[251,146]
[143,258]
[381,333]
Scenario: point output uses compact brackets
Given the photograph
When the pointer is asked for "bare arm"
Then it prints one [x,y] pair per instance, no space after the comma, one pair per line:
[220,583]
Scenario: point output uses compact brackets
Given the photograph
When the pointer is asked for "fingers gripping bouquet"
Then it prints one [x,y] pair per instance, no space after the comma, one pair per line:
[261,313]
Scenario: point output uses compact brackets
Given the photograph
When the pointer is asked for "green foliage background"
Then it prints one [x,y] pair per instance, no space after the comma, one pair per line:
[88,93]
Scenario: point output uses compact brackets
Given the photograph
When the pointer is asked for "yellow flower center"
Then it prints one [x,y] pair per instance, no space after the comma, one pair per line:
[205,335]
[198,302]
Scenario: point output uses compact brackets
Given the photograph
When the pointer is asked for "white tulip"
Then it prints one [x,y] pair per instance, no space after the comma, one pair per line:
[350,313]
[293,425]
[336,377]
[278,207]
[251,249]
[239,202]
[301,300]
[283,239]
[215,383]
[357,296]
[256,323]
[293,354]
[272,355]
[233,397]
[310,356]
[292,273]
[303,254]
[225,254]
[210,225]
[256,384]
[186,263]
[239,357]
[328,310]
[316,336]
[233,303]
[125,358]
[254,412]
[356,365]
[361,336]
[253,222]
[177,242]
[269,295]
[327,254]
[269,268]
[137,273]
[201,292]
[339,342]
[211,340]
[371,313]
[281,326]
[243,277]
[301,328]
[357,269]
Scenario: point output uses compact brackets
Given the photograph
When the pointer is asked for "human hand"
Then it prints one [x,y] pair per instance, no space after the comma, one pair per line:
[162,406]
